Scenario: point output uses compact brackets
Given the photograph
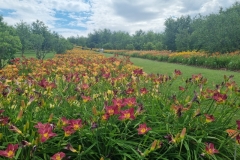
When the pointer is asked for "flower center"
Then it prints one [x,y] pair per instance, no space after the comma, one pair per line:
[45,135]
[127,115]
[10,153]
[75,126]
[58,157]
[143,130]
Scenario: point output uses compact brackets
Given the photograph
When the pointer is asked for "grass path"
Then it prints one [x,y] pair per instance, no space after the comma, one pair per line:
[214,76]
[32,54]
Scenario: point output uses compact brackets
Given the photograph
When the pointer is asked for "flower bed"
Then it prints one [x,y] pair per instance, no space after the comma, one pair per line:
[81,105]
[229,61]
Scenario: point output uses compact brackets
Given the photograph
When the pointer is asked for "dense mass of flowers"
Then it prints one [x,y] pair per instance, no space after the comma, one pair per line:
[228,61]
[81,105]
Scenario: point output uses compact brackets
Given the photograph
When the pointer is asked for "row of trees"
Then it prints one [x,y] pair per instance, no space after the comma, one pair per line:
[38,37]
[35,36]
[107,39]
[212,33]
[9,43]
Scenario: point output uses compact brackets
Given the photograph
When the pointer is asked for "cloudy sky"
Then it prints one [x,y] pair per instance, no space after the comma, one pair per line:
[80,17]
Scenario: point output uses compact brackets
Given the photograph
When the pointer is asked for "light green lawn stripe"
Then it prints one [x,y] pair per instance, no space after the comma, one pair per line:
[32,54]
[213,76]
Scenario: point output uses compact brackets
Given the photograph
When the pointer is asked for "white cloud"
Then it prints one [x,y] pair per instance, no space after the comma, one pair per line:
[65,16]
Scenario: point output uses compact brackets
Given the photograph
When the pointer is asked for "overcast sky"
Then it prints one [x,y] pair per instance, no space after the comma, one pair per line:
[80,17]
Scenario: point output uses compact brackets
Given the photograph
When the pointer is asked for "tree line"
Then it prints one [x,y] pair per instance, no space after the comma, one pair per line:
[35,36]
[107,39]
[218,32]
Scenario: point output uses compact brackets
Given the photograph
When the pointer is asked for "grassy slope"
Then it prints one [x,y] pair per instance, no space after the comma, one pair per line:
[213,76]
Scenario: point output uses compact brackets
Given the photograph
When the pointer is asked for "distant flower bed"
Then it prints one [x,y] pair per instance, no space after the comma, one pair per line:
[229,61]
[81,105]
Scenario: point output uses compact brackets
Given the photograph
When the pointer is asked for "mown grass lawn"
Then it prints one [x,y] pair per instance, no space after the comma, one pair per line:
[214,76]
[32,54]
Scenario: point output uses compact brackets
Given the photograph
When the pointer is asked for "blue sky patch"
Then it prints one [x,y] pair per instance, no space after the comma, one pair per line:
[71,20]
[6,12]
[71,17]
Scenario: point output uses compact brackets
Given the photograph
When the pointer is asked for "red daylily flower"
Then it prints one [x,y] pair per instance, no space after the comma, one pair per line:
[210,149]
[106,75]
[105,117]
[10,151]
[46,133]
[209,118]
[138,71]
[65,121]
[86,98]
[177,72]
[4,120]
[143,91]
[111,110]
[51,85]
[58,156]
[76,124]
[118,102]
[40,125]
[143,129]
[196,77]
[219,98]
[130,101]
[85,86]
[45,84]
[238,124]
[238,138]
[129,91]
[127,114]
[68,131]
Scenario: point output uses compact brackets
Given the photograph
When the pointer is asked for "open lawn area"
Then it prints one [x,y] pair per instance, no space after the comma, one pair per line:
[214,76]
[32,54]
